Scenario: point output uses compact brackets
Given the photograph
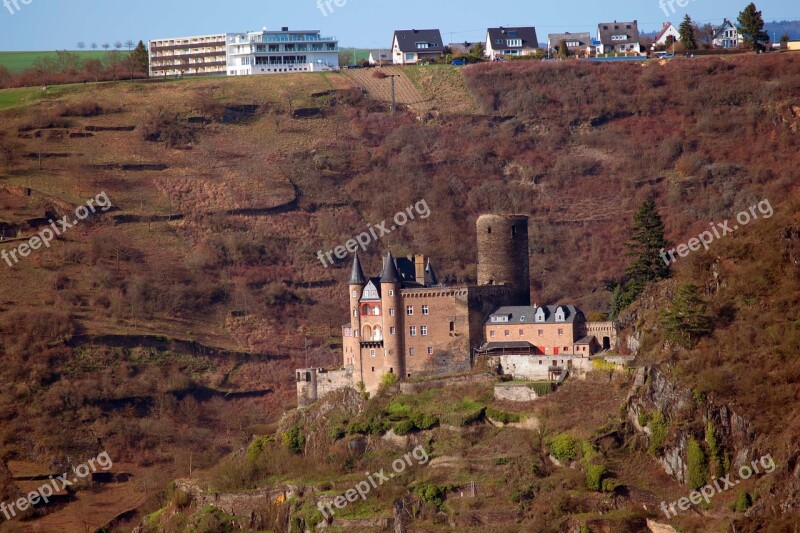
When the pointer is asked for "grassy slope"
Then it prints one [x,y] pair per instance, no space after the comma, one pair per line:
[542,162]
[19,61]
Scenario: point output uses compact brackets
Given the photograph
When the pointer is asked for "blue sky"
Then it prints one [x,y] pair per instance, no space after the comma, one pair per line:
[60,24]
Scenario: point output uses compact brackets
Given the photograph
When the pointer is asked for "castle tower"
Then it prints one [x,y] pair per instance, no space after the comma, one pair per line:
[503,254]
[392,318]
[352,344]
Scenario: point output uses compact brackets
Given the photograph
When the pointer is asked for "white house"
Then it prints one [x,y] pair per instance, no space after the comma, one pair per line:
[669,30]
[503,42]
[380,57]
[727,36]
[272,52]
[412,46]
[618,37]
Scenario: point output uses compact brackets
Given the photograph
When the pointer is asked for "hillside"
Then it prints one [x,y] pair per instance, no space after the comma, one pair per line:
[134,328]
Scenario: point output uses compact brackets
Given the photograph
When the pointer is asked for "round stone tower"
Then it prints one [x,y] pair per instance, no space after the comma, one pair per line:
[503,254]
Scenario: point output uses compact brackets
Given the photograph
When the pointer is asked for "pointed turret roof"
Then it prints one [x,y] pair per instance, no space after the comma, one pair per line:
[390,274]
[357,273]
[430,275]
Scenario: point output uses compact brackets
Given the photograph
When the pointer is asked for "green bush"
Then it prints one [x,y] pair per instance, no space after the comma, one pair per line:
[564,447]
[404,427]
[658,432]
[610,485]
[743,502]
[423,420]
[294,440]
[594,476]
[434,494]
[256,447]
[696,465]
[388,379]
[502,416]
[541,389]
[643,418]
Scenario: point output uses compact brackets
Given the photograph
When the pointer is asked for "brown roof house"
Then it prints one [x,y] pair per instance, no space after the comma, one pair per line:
[618,38]
[578,44]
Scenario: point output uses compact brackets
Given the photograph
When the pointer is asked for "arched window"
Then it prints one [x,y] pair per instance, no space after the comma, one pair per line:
[367,333]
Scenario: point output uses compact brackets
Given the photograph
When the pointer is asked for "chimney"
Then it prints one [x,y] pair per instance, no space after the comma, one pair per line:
[285,28]
[419,269]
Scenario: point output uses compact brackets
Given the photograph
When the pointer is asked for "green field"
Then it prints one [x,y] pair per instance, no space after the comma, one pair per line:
[19,61]
[26,95]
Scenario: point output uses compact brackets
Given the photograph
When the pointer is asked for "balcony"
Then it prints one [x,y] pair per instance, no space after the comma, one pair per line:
[209,44]
[220,53]
[188,66]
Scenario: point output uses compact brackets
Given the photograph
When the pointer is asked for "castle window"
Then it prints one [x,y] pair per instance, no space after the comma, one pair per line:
[392,331]
[540,333]
[410,310]
[452,326]
[430,350]
[490,230]
[391,293]
[373,369]
[522,318]
[423,330]
[507,333]
[424,309]
[491,333]
[372,353]
[560,332]
[522,333]
[391,311]
[513,232]
[355,294]
[355,312]
[413,331]
[411,352]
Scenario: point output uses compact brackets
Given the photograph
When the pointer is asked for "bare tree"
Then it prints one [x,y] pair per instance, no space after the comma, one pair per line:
[81,45]
[106,46]
[93,46]
[129,44]
[118,45]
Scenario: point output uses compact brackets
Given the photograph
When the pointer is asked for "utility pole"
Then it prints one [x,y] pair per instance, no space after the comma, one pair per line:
[394,100]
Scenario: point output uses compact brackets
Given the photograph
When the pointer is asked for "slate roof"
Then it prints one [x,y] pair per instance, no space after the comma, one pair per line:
[407,40]
[357,273]
[527,314]
[390,274]
[585,39]
[430,275]
[606,29]
[586,340]
[526,33]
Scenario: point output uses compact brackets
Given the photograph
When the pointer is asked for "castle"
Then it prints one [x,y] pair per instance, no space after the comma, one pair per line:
[404,322]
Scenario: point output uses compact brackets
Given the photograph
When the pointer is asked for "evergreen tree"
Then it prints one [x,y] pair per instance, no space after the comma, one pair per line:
[686,320]
[751,24]
[645,246]
[139,59]
[688,35]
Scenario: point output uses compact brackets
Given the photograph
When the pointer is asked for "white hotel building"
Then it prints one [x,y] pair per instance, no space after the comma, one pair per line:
[270,52]
[239,54]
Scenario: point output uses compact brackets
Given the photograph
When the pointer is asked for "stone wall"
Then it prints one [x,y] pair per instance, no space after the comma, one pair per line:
[602,330]
[239,504]
[315,383]
[410,387]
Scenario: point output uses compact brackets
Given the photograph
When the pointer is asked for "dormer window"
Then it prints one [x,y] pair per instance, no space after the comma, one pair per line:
[540,315]
[422,46]
[619,37]
[522,318]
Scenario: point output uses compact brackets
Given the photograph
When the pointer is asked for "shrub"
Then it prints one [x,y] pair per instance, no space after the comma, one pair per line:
[387,380]
[256,447]
[434,494]
[502,416]
[404,427]
[564,447]
[541,389]
[696,465]
[643,418]
[743,502]
[594,476]
[658,432]
[423,420]
[610,485]
[294,440]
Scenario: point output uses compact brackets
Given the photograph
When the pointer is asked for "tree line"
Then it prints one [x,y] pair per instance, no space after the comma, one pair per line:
[69,67]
